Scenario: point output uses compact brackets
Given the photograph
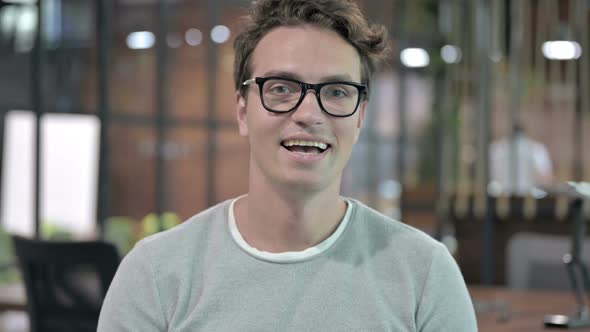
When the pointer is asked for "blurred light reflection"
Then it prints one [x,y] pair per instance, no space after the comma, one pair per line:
[220,34]
[561,50]
[415,57]
[193,37]
[140,40]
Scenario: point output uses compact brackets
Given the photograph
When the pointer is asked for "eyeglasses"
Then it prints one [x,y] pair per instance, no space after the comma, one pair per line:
[282,95]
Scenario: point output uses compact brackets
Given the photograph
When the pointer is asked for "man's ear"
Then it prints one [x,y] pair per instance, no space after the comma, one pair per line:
[241,114]
[362,111]
[361,118]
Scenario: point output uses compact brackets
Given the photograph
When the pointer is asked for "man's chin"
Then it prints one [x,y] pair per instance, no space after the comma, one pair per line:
[306,184]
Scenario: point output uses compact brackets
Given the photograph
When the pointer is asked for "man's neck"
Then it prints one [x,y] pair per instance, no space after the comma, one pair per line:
[281,220]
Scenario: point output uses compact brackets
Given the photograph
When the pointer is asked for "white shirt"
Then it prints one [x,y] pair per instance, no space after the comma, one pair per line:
[518,166]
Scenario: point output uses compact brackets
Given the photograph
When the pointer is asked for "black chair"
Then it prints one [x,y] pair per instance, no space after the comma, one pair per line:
[65,282]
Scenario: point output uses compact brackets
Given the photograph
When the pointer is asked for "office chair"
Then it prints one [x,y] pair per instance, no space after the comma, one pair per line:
[65,282]
[535,261]
[510,216]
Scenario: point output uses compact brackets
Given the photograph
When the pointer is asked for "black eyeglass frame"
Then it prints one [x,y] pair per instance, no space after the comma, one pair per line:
[362,90]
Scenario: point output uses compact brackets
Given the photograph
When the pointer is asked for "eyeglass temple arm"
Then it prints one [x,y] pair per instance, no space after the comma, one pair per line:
[250,81]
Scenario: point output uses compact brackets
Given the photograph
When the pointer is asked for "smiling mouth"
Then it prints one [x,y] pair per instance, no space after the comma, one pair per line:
[305,146]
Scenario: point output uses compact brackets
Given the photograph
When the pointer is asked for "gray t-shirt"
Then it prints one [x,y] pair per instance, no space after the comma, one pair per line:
[372,274]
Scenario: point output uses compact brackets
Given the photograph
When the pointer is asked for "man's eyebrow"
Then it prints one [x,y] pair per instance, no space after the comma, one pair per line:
[284,74]
[343,77]
[295,76]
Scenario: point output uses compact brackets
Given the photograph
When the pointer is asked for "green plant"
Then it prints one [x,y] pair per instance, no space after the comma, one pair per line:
[122,232]
[119,231]
[151,224]
[53,232]
[9,272]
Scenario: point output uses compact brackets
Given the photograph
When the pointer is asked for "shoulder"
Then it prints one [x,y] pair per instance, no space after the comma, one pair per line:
[383,227]
[396,248]
[499,145]
[413,258]
[404,255]
[186,238]
[149,278]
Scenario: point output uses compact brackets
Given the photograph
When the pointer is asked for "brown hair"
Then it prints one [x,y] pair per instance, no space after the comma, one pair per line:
[341,16]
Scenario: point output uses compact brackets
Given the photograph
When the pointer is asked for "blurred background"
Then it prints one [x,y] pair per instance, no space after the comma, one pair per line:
[117,119]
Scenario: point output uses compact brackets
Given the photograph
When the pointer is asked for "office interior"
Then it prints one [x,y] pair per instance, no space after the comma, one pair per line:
[117,121]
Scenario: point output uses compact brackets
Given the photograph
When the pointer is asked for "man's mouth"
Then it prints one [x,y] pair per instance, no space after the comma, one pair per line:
[305,146]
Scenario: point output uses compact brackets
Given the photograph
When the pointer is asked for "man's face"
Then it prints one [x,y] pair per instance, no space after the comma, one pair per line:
[278,151]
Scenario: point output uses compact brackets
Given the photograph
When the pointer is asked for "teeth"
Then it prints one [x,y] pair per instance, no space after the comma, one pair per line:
[319,145]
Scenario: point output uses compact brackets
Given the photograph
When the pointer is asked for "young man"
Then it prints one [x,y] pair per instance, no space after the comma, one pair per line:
[519,165]
[292,254]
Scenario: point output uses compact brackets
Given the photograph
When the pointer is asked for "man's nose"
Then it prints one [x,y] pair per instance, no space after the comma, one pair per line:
[309,111]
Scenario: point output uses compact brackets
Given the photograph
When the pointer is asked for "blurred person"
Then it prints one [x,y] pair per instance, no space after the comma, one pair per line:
[293,254]
[519,165]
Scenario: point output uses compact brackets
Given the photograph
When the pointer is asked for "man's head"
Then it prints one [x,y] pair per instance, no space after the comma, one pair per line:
[302,70]
[340,16]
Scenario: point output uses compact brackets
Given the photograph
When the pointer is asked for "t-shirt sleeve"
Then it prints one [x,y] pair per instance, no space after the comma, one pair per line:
[445,304]
[132,302]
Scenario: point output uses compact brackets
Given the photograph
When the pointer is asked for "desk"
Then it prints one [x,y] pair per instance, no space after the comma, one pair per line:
[502,309]
[13,297]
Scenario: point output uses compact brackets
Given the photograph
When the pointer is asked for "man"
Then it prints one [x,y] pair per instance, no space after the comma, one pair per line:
[292,254]
[519,165]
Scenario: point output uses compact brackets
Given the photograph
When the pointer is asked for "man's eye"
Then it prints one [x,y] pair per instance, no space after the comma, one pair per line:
[280,89]
[337,92]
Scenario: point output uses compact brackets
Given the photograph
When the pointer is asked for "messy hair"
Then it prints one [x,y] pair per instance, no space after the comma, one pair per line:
[341,16]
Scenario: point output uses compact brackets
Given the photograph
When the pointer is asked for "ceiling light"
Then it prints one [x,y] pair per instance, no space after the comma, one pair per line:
[414,57]
[561,50]
[174,40]
[139,40]
[220,34]
[193,37]
[451,54]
